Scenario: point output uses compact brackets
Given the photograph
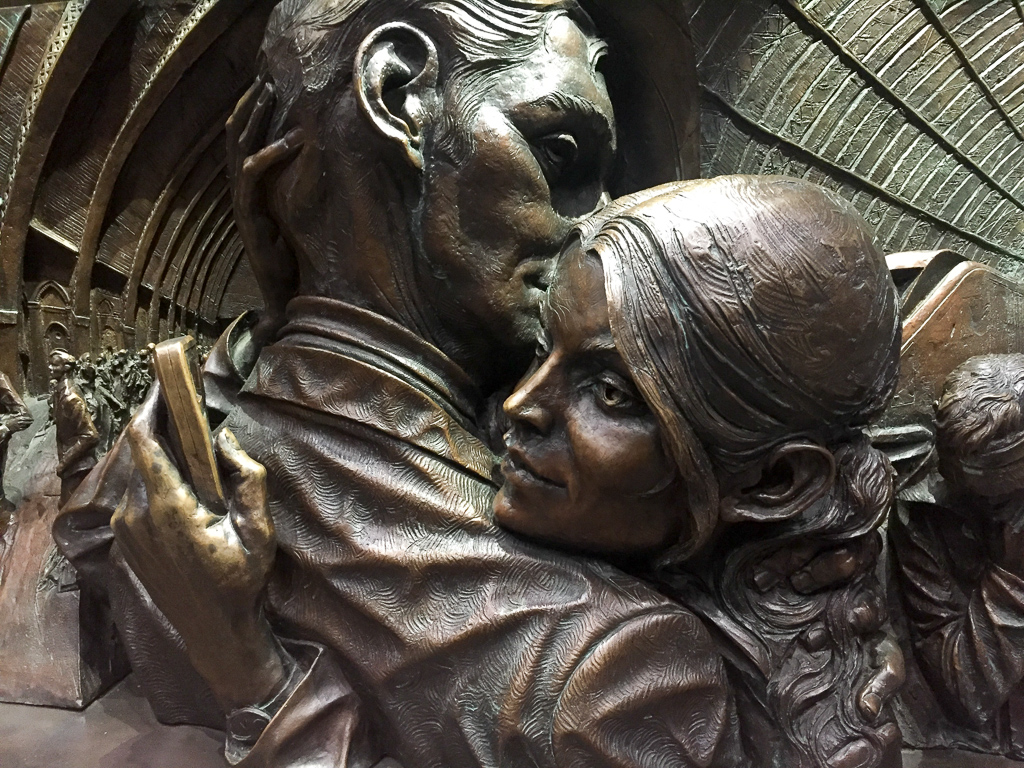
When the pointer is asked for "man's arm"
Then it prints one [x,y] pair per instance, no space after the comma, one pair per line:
[206,572]
[287,703]
[969,639]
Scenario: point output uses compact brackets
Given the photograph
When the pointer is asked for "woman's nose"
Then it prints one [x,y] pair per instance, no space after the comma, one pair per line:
[524,406]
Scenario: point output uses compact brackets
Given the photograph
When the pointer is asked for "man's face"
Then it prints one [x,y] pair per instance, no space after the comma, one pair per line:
[57,368]
[542,141]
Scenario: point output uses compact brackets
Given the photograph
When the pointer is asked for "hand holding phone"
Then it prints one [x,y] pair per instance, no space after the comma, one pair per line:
[176,365]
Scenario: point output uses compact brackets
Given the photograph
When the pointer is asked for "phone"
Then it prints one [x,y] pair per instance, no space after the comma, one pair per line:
[177,369]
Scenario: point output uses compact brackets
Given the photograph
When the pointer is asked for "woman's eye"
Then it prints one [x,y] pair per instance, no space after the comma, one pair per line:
[558,153]
[612,396]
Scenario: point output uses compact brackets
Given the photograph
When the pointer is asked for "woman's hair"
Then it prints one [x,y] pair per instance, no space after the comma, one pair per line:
[753,311]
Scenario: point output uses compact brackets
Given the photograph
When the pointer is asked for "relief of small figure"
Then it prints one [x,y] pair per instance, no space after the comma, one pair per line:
[711,356]
[77,436]
[958,552]
[14,417]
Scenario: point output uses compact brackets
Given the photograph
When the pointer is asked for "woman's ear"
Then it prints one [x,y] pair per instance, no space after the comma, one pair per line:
[396,78]
[790,479]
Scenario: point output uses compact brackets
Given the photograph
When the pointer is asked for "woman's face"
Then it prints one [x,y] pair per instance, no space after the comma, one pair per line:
[586,468]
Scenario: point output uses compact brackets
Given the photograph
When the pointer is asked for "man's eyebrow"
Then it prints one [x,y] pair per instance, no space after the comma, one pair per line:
[570,102]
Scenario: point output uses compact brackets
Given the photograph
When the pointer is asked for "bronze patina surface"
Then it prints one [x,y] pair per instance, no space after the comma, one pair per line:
[674,544]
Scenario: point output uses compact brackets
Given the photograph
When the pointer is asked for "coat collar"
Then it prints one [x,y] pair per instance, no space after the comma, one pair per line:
[345,361]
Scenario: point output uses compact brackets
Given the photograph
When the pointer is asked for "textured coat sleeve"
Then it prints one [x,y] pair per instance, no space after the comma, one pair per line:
[651,693]
[320,725]
[969,638]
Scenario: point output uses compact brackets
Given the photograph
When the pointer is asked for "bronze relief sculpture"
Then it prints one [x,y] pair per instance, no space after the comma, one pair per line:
[951,548]
[77,436]
[682,564]
[957,547]
[436,638]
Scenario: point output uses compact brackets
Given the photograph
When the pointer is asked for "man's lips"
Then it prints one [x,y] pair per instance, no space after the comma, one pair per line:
[516,463]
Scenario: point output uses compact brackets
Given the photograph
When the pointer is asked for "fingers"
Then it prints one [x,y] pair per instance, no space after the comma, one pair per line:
[169,497]
[254,134]
[256,165]
[857,754]
[248,483]
[781,564]
[269,256]
[159,475]
[885,683]
[862,753]
[826,570]
[247,131]
[249,196]
[237,124]
[243,111]
[836,567]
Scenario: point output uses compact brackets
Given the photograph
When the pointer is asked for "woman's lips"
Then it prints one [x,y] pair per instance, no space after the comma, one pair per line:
[516,464]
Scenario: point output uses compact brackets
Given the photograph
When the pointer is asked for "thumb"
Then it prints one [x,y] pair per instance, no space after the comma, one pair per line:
[890,674]
[247,483]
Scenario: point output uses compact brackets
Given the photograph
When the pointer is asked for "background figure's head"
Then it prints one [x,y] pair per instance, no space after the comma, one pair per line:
[61,364]
[449,146]
[980,427]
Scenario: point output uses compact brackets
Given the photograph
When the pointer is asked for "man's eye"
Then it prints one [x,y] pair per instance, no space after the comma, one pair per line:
[543,349]
[557,153]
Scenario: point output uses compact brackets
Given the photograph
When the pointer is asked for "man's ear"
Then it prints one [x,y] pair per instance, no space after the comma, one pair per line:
[791,478]
[395,76]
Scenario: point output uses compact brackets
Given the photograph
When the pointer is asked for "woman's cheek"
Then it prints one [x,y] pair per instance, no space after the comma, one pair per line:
[622,459]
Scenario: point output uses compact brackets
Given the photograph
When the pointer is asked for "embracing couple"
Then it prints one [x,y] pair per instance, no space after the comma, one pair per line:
[672,565]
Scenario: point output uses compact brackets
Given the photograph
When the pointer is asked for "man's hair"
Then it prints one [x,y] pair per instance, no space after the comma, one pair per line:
[310,45]
[980,423]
